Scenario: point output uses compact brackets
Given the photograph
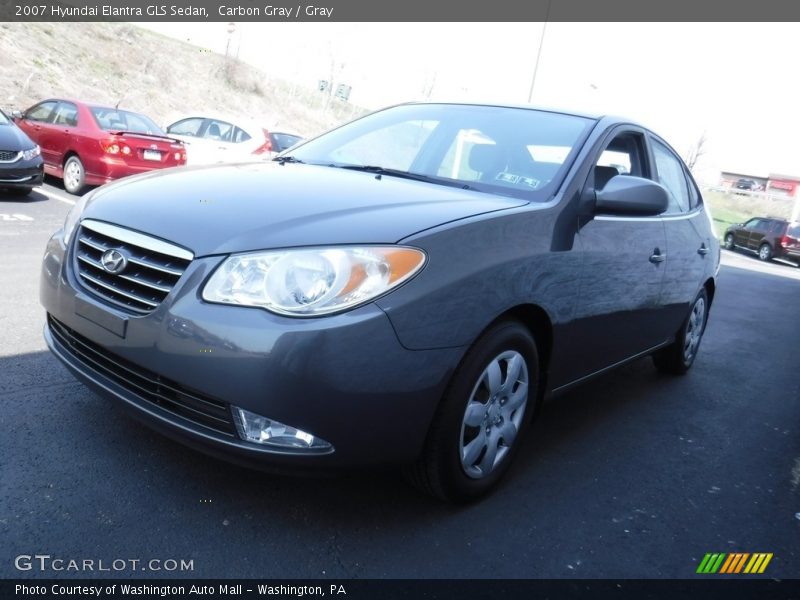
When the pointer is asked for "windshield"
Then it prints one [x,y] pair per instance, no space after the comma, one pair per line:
[511,151]
[3,118]
[112,119]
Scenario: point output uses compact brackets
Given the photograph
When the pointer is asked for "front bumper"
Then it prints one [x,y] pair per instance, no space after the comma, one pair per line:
[344,378]
[22,174]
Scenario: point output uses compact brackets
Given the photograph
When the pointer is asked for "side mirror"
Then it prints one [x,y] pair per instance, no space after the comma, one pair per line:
[628,195]
[16,114]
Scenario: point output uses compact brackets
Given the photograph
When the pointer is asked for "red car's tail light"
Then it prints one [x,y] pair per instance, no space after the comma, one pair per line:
[114,146]
[266,146]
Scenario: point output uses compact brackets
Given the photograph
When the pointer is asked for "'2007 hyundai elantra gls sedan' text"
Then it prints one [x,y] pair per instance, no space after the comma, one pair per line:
[403,290]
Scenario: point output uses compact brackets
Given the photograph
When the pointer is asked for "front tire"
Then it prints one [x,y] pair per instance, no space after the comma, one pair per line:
[678,357]
[765,252]
[74,175]
[730,243]
[477,429]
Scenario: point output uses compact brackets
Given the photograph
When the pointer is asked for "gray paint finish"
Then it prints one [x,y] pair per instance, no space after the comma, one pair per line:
[369,380]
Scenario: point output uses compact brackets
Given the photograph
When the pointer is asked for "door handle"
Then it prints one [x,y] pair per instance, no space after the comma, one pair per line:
[657,257]
[702,250]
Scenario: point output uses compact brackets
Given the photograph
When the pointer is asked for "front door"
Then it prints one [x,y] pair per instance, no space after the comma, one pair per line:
[624,261]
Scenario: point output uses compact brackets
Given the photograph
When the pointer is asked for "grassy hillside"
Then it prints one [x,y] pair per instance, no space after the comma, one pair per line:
[149,73]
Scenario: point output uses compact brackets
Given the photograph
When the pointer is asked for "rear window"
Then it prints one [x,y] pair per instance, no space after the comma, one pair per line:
[285,140]
[3,118]
[794,230]
[112,119]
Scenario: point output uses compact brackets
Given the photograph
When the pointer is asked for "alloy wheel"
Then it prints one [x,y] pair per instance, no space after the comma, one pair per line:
[694,330]
[72,175]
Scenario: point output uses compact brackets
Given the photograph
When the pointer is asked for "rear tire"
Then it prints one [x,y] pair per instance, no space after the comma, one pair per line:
[765,252]
[678,357]
[482,417]
[74,175]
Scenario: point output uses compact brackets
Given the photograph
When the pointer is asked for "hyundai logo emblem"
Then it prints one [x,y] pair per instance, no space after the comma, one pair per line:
[113,261]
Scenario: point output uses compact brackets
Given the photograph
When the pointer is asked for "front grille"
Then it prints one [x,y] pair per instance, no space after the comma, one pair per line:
[9,155]
[146,385]
[153,266]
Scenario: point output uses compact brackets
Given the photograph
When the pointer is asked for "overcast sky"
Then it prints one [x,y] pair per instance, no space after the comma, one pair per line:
[735,82]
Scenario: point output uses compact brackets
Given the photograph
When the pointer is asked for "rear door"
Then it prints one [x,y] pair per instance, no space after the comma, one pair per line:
[220,144]
[623,267]
[757,233]
[741,233]
[689,246]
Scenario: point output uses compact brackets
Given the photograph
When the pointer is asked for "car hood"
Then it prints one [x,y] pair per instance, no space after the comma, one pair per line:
[14,139]
[235,208]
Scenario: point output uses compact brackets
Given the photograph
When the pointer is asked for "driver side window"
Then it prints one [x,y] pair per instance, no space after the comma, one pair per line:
[624,155]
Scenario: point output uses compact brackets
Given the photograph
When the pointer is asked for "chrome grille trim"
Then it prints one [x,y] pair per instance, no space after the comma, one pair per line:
[117,291]
[137,239]
[154,266]
[140,281]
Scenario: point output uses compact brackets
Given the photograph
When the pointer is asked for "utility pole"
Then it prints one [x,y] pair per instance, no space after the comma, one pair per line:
[539,52]
[231,29]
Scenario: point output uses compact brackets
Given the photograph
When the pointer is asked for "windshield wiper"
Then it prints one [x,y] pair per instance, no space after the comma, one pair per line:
[287,159]
[378,170]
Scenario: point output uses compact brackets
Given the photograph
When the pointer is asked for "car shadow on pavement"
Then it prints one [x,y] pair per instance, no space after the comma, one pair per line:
[9,198]
[93,434]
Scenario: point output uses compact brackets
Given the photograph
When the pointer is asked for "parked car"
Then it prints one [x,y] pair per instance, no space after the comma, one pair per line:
[20,159]
[405,289]
[222,139]
[747,185]
[768,237]
[88,144]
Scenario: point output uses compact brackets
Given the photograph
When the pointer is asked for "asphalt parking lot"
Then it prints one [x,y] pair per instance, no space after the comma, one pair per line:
[633,475]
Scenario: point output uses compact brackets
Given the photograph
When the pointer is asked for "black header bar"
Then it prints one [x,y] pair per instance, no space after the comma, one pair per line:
[399,11]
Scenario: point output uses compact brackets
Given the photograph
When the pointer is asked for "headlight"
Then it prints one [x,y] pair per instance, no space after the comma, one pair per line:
[32,153]
[73,216]
[312,281]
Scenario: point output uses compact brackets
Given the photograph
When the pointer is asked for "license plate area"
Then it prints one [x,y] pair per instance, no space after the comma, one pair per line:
[152,155]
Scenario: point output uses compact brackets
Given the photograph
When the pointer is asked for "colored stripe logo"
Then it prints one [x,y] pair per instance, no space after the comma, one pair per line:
[734,562]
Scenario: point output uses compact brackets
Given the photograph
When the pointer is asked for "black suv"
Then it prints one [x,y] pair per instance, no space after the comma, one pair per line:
[766,236]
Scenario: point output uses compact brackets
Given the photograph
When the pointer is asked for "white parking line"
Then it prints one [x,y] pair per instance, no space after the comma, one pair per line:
[55,196]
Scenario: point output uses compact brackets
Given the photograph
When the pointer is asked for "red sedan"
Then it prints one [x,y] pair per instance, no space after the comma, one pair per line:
[86,144]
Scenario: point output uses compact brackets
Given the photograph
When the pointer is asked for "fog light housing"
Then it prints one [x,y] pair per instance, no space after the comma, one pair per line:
[268,432]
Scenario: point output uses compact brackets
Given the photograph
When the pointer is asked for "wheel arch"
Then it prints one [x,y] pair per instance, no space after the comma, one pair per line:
[67,155]
[711,287]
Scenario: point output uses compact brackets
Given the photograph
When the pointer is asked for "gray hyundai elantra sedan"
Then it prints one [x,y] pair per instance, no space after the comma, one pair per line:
[403,290]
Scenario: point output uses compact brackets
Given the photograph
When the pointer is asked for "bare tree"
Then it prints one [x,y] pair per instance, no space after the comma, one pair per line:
[429,84]
[696,151]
